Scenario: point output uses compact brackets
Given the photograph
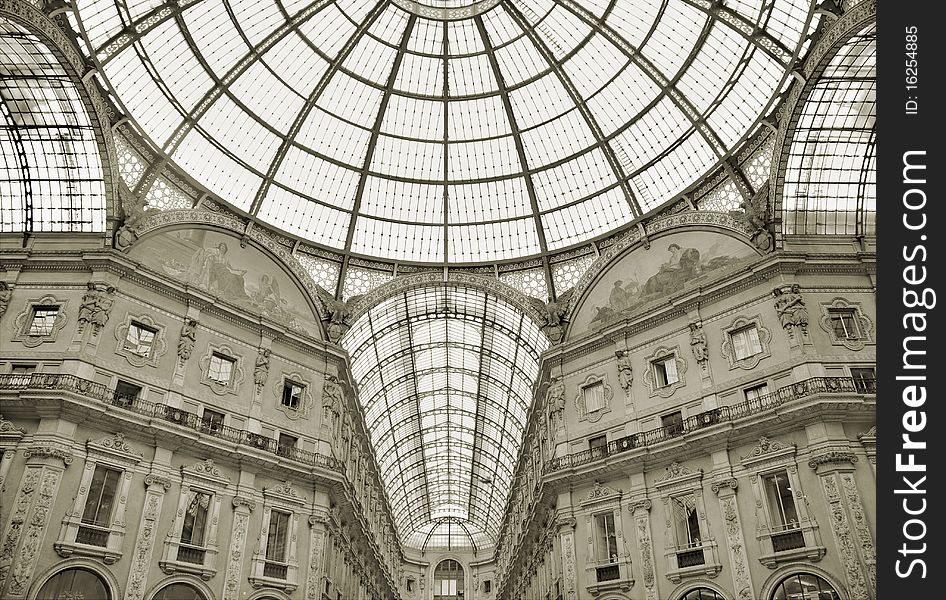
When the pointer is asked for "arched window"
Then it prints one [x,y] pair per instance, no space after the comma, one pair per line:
[179,591]
[71,583]
[804,586]
[702,593]
[448,581]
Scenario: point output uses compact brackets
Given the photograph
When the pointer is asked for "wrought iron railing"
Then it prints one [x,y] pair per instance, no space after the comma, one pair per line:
[178,416]
[92,536]
[690,558]
[608,573]
[275,570]
[794,391]
[788,540]
[191,554]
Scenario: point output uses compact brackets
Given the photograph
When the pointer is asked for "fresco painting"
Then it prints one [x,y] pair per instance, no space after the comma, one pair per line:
[216,263]
[672,264]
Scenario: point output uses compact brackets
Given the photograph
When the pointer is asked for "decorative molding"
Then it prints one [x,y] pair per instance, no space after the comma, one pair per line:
[234,568]
[600,494]
[738,560]
[727,349]
[207,471]
[236,376]
[646,549]
[144,543]
[844,538]
[159,345]
[660,353]
[49,451]
[679,476]
[606,395]
[23,321]
[305,403]
[158,480]
[861,530]
[725,484]
[29,485]
[115,448]
[284,494]
[833,457]
[768,451]
[864,325]
[637,505]
[24,561]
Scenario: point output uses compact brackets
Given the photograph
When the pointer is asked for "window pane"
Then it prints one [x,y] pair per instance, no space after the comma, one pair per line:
[195,519]
[98,504]
[139,339]
[44,317]
[221,369]
[276,539]
[781,500]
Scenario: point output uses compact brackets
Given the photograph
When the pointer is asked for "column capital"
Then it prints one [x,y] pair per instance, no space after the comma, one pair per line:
[644,504]
[725,486]
[154,480]
[242,502]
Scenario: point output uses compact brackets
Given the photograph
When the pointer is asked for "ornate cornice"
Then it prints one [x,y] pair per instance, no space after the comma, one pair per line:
[49,451]
[285,493]
[832,457]
[206,469]
[116,446]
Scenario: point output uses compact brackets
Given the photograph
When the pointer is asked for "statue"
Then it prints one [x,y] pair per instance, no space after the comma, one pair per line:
[134,211]
[555,400]
[552,314]
[625,371]
[336,312]
[790,307]
[6,293]
[698,342]
[188,338]
[96,304]
[331,402]
[261,370]
[754,217]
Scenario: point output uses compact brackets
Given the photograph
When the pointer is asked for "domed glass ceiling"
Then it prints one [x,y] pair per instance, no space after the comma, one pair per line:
[445,130]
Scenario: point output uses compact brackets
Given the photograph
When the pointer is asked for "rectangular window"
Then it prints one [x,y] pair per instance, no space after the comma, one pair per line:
[672,423]
[665,371]
[286,444]
[686,521]
[42,320]
[865,380]
[212,420]
[844,324]
[22,373]
[221,368]
[140,339]
[195,518]
[97,514]
[757,392]
[487,586]
[607,538]
[277,536]
[780,499]
[745,342]
[292,394]
[598,446]
[126,393]
[593,396]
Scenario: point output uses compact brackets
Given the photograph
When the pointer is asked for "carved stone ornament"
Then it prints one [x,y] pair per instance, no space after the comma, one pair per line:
[240,502]
[23,321]
[126,348]
[553,314]
[636,505]
[261,368]
[207,470]
[336,313]
[153,479]
[601,492]
[791,309]
[676,473]
[698,343]
[115,447]
[95,307]
[768,451]
[754,216]
[49,451]
[185,346]
[284,493]
[6,293]
[832,457]
[724,484]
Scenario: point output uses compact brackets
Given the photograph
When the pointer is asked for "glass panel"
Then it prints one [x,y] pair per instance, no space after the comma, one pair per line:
[195,518]
[781,500]
[98,504]
[277,536]
[220,369]
[139,339]
[44,318]
[76,583]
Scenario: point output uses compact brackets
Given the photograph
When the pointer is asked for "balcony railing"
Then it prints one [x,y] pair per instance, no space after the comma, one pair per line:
[191,554]
[801,389]
[92,536]
[275,570]
[690,558]
[608,573]
[788,540]
[178,416]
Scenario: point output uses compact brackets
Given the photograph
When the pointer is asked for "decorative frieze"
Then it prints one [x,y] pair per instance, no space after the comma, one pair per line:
[845,539]
[34,531]
[143,550]
[641,510]
[735,541]
[96,306]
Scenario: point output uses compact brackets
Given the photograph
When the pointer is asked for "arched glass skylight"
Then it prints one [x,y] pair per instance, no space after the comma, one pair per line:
[448,131]
[445,377]
[51,172]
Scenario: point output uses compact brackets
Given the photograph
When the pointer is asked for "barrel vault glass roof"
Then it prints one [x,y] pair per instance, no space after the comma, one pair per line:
[445,376]
[444,131]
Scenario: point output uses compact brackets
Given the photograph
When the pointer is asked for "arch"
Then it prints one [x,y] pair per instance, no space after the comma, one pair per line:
[592,305]
[268,594]
[449,579]
[107,577]
[689,591]
[830,71]
[82,113]
[195,220]
[768,588]
[182,580]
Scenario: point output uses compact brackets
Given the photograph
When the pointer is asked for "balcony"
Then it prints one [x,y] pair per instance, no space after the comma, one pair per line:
[690,558]
[91,535]
[191,554]
[788,540]
[609,573]
[795,391]
[275,570]
[180,417]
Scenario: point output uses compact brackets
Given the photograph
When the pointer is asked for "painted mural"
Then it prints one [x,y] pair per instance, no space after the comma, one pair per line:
[216,263]
[673,264]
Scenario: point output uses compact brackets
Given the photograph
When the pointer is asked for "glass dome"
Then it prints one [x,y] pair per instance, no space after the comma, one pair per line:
[444,131]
